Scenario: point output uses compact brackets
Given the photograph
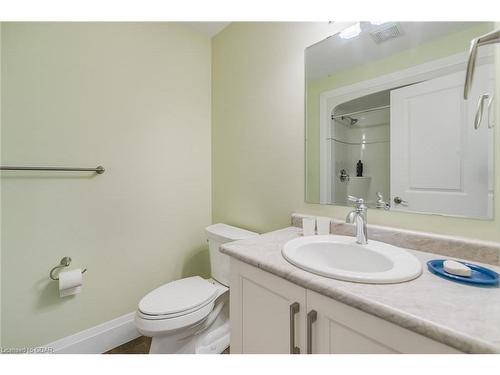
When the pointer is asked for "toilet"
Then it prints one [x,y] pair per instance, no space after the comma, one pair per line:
[191,315]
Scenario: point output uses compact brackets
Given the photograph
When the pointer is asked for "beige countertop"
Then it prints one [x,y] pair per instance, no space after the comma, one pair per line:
[462,316]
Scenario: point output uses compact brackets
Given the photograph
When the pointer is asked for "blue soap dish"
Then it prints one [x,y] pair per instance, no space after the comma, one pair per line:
[480,275]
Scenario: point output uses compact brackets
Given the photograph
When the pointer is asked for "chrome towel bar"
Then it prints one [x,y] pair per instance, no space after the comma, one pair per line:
[98,170]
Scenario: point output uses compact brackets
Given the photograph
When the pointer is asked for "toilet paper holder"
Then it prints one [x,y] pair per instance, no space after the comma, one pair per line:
[65,262]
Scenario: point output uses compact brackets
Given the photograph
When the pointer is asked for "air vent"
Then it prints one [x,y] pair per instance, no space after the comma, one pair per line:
[385,33]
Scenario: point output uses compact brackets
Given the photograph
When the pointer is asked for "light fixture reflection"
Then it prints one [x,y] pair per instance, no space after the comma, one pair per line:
[351,31]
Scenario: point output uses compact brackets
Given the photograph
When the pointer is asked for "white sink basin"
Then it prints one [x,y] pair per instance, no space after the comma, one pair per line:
[340,257]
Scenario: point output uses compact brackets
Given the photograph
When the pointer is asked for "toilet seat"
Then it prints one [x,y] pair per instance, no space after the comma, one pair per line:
[177,298]
[152,327]
[178,314]
[185,312]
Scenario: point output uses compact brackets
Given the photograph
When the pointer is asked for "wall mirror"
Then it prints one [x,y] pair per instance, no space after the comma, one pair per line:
[387,121]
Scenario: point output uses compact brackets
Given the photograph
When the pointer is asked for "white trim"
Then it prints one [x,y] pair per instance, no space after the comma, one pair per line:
[345,93]
[98,339]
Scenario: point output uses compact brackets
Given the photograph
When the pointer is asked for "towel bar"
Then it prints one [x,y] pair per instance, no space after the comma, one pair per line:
[98,170]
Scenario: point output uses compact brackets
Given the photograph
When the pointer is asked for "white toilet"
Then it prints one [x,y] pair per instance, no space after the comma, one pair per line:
[191,315]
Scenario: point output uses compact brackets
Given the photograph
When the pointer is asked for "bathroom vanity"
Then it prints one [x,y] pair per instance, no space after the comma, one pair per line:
[279,308]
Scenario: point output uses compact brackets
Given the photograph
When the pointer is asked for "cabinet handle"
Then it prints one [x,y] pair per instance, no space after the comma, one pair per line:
[311,318]
[294,309]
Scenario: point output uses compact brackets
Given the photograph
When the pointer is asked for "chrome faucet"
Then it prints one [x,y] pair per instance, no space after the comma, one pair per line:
[358,217]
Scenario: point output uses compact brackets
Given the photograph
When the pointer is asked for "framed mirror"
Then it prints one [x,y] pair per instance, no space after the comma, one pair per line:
[386,118]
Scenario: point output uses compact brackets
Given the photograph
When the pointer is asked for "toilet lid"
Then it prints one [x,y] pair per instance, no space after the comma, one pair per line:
[178,296]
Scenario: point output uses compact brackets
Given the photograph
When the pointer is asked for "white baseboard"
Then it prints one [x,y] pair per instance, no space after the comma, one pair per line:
[98,339]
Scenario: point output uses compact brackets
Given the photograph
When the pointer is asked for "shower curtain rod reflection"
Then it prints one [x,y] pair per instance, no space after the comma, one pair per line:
[334,117]
[98,170]
[357,143]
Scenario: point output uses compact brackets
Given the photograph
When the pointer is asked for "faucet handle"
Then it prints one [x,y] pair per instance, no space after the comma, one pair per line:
[359,203]
[356,200]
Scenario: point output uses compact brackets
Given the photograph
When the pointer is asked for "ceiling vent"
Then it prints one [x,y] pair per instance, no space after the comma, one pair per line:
[386,32]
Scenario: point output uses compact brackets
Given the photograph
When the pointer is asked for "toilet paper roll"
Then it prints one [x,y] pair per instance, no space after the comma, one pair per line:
[70,282]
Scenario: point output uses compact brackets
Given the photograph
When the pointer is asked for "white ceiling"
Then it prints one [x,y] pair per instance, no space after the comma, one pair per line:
[334,53]
[209,29]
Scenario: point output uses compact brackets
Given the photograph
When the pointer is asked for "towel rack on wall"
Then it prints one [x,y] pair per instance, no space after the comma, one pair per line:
[98,170]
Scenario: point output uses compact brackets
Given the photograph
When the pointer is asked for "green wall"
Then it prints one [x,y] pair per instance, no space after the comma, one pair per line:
[439,48]
[258,134]
[134,97]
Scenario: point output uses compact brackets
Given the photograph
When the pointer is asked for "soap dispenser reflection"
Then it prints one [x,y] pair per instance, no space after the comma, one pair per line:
[359,169]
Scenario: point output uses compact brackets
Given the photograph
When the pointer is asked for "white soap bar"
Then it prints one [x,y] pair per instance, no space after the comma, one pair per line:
[456,268]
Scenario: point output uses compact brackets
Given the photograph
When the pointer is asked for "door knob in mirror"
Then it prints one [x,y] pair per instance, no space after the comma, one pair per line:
[401,201]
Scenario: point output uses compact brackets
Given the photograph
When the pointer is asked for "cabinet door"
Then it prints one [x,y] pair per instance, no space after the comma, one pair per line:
[342,329]
[260,310]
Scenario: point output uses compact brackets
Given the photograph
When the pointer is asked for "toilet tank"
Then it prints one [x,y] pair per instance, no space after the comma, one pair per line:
[218,234]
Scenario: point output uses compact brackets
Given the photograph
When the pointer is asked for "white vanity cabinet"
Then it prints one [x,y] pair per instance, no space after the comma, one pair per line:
[270,315]
[267,313]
